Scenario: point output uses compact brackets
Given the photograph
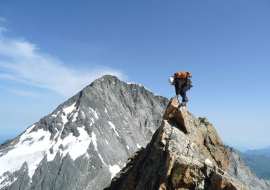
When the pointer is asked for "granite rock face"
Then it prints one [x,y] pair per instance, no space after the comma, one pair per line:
[175,159]
[85,141]
[242,172]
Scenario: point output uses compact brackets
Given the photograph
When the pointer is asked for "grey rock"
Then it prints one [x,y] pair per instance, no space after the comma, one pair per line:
[242,172]
[18,179]
[122,117]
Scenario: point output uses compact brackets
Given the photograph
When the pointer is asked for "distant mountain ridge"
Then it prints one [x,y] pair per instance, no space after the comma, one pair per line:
[259,164]
[264,152]
[242,172]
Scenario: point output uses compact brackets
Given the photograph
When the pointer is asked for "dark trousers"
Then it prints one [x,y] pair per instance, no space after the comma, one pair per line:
[183,91]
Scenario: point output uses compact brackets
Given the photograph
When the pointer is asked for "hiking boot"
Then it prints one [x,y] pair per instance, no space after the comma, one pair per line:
[185,99]
[184,104]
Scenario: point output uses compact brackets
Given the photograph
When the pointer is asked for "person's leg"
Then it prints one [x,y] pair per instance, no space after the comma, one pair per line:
[183,92]
[177,91]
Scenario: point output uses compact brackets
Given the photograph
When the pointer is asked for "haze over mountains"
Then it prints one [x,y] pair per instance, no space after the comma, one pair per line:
[86,140]
[264,152]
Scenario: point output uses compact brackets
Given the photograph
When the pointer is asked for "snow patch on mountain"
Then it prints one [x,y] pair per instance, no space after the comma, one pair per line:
[76,146]
[75,116]
[33,146]
[113,127]
[114,170]
[64,119]
[102,159]
[82,114]
[54,115]
[94,140]
[94,112]
[69,109]
[31,149]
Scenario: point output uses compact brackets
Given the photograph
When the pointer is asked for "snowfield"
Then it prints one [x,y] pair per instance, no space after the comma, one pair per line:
[34,146]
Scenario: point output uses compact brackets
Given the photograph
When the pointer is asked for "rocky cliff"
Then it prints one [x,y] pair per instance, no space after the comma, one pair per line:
[184,153]
[85,141]
[242,172]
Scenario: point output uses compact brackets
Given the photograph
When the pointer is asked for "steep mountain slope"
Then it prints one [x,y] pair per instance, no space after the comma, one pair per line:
[242,172]
[258,164]
[184,153]
[85,141]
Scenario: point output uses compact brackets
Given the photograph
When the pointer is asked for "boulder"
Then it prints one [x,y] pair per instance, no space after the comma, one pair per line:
[178,114]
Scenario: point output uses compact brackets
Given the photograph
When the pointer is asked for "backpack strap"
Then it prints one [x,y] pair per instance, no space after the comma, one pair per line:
[186,78]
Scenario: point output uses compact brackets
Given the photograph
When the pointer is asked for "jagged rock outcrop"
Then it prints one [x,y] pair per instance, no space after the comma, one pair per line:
[85,141]
[242,172]
[177,158]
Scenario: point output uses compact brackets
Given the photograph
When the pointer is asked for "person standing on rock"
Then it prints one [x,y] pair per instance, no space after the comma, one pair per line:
[182,84]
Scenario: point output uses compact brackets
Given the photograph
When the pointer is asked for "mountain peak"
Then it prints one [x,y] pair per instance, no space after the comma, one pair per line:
[89,135]
[107,78]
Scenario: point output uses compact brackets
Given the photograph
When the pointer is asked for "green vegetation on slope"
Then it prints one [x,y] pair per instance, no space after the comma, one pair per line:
[258,164]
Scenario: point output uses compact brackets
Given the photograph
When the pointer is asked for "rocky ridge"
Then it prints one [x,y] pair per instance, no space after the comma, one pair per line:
[184,153]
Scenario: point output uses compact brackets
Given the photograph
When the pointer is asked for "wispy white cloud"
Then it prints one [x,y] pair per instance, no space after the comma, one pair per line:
[25,93]
[21,61]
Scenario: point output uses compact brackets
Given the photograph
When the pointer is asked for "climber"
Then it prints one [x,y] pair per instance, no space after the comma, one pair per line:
[182,84]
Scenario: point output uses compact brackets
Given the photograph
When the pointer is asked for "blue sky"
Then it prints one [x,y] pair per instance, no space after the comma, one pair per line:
[50,50]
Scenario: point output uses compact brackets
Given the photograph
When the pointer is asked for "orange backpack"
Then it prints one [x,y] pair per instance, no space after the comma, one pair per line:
[184,75]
